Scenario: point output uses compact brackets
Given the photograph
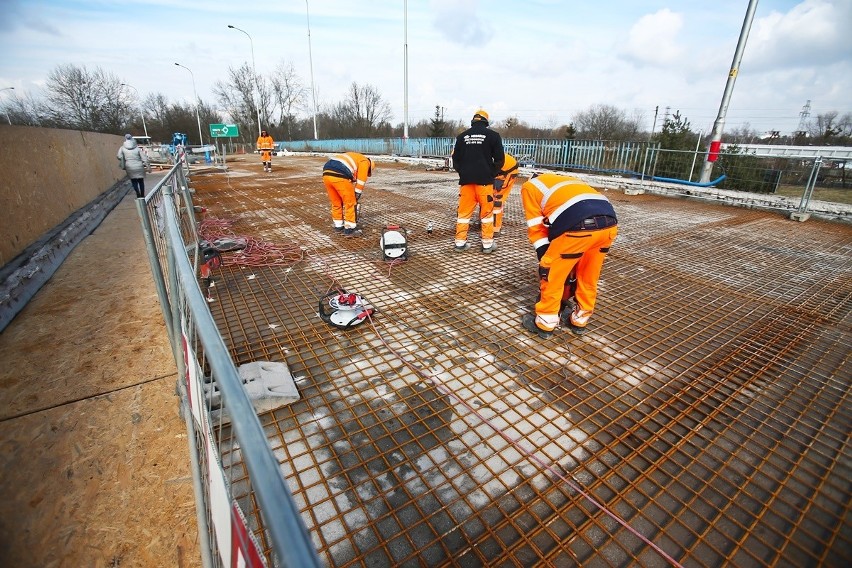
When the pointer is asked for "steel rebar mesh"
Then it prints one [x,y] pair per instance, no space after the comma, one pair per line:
[705,417]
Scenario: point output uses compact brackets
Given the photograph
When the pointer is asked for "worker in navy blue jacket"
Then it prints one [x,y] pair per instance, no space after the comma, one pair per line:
[477,157]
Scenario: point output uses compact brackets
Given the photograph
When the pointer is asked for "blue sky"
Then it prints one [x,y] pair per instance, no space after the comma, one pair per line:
[539,60]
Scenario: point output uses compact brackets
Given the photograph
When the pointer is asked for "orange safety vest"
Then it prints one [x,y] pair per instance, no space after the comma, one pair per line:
[509,170]
[265,143]
[555,203]
[356,166]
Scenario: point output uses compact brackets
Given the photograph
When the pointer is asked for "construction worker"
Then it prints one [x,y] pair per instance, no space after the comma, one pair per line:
[502,187]
[266,145]
[572,227]
[477,157]
[345,176]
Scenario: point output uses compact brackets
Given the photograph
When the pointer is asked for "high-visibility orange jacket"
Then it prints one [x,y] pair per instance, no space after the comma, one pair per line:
[265,143]
[555,204]
[352,166]
[509,169]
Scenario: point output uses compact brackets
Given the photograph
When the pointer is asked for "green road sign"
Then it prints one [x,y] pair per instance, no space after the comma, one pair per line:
[224,130]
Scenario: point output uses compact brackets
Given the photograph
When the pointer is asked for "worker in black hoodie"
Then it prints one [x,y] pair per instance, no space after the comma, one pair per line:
[477,157]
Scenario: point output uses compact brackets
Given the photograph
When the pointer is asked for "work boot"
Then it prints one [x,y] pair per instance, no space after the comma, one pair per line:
[578,320]
[351,232]
[528,323]
[338,229]
[576,330]
[489,250]
[462,248]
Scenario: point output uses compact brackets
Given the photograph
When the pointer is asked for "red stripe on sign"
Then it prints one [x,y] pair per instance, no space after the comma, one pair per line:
[243,550]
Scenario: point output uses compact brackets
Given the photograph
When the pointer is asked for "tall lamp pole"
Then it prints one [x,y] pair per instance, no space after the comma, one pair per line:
[254,70]
[9,120]
[405,69]
[716,136]
[141,110]
[311,59]
[194,92]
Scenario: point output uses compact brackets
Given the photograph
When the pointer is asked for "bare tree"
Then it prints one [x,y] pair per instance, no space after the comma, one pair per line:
[605,122]
[26,111]
[830,128]
[237,97]
[744,134]
[362,114]
[156,106]
[289,94]
[87,100]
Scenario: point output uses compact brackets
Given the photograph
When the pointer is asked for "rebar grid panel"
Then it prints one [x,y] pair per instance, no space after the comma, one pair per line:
[703,420]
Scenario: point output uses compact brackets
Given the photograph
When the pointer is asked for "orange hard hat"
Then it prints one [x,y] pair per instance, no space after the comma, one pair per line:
[481,114]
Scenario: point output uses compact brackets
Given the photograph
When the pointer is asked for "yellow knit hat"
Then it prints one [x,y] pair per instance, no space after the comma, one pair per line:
[480,115]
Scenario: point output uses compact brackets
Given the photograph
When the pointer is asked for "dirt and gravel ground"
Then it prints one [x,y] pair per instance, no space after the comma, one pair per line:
[95,462]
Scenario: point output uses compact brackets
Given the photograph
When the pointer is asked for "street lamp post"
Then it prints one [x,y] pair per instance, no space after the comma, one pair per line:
[311,59]
[194,92]
[141,110]
[9,120]
[254,70]
[718,126]
[405,70]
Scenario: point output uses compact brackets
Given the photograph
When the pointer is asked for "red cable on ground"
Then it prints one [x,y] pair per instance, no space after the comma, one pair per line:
[252,252]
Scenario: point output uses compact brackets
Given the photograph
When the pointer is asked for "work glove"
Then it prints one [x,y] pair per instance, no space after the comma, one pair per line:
[357,197]
[498,184]
[542,250]
[543,273]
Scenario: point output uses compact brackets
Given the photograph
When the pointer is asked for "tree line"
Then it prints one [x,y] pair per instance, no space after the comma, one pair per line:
[95,100]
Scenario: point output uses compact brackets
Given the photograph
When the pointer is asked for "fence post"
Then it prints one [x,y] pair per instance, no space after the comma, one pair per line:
[809,188]
[156,270]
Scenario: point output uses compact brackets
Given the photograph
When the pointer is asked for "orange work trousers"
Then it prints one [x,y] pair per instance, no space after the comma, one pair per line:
[470,196]
[587,251]
[266,156]
[341,194]
[500,197]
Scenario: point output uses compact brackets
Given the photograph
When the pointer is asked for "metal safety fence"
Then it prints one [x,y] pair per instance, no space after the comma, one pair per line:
[798,175]
[237,482]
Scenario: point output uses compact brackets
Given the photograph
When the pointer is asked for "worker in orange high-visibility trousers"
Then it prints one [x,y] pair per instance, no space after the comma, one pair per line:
[502,187]
[572,226]
[266,145]
[344,177]
[477,157]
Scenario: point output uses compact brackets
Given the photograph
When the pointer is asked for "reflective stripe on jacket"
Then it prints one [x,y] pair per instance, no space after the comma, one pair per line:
[350,165]
[554,203]
[265,143]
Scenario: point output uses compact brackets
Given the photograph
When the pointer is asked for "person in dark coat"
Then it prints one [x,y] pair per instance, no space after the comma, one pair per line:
[477,157]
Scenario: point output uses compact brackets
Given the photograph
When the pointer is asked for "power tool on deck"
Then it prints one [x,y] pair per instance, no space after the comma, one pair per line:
[393,243]
[344,310]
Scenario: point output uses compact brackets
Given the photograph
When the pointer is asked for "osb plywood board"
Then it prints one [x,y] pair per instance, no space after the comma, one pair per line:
[96,325]
[93,455]
[48,174]
[100,482]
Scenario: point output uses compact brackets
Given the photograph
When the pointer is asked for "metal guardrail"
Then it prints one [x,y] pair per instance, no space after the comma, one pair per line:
[205,366]
[749,169]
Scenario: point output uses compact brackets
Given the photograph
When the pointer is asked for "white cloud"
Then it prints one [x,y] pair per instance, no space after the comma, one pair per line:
[459,22]
[814,33]
[538,60]
[653,40]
